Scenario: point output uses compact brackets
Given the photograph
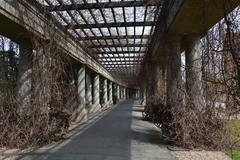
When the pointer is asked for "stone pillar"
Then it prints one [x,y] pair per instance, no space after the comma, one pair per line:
[105,97]
[81,84]
[110,93]
[96,93]
[88,92]
[174,77]
[24,82]
[194,71]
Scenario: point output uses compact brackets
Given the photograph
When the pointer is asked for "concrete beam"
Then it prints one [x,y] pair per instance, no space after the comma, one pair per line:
[198,16]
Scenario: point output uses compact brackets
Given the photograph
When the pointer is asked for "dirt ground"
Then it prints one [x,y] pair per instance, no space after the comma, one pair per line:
[12,154]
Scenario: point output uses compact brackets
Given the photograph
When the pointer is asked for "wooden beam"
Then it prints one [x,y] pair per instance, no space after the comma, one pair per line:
[119,45]
[122,52]
[106,25]
[122,62]
[116,56]
[115,37]
[101,5]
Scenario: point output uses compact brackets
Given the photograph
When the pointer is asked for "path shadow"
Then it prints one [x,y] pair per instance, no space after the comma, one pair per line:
[106,139]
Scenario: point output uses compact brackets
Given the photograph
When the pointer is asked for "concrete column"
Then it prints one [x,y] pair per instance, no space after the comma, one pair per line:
[127,95]
[81,84]
[144,96]
[96,93]
[124,93]
[88,92]
[138,94]
[105,97]
[110,93]
[42,85]
[24,82]
[194,71]
[158,78]
[174,77]
[118,91]
[149,85]
[174,82]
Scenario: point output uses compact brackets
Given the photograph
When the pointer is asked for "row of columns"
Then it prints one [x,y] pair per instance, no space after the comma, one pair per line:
[169,74]
[193,72]
[170,81]
[89,90]
[89,86]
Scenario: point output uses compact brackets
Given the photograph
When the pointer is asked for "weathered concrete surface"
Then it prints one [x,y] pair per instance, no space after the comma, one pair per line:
[120,135]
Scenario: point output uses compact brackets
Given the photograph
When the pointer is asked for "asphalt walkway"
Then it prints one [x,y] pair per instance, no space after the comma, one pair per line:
[118,133]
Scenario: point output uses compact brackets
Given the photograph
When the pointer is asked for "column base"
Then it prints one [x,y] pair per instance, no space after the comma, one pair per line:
[95,108]
[106,105]
[110,102]
[82,116]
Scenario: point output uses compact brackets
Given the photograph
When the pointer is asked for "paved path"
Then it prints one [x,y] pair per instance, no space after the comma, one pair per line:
[116,134]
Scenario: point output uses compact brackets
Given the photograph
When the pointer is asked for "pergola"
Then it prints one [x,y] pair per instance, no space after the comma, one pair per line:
[117,33]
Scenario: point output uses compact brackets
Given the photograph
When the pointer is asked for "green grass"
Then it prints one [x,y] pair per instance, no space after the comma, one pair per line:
[235,155]
[235,129]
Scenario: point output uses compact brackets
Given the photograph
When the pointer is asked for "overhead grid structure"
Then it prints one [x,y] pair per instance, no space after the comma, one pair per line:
[117,33]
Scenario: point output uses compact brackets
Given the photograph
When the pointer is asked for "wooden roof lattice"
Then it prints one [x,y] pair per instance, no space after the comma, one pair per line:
[115,32]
